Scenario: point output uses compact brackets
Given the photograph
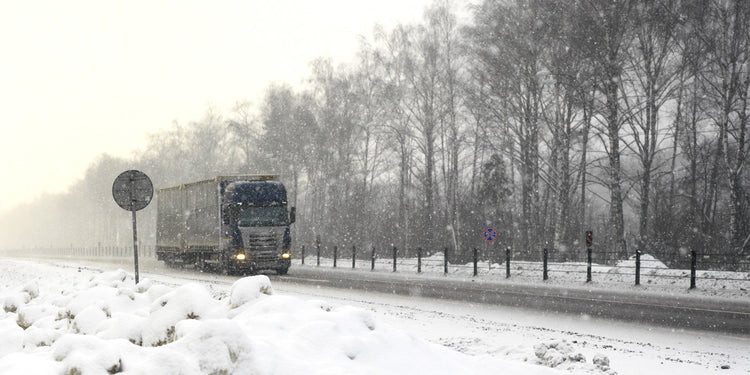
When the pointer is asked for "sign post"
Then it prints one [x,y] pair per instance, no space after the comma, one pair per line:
[133,191]
[490,235]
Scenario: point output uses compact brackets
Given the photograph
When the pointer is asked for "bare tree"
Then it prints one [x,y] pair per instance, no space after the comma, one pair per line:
[244,130]
[725,35]
[602,30]
[654,66]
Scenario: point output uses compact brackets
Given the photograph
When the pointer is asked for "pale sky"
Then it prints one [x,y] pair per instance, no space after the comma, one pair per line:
[83,78]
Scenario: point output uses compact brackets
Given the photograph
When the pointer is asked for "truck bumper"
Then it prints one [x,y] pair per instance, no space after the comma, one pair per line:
[252,264]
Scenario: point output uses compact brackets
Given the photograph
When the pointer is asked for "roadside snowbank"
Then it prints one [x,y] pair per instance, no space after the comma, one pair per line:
[80,321]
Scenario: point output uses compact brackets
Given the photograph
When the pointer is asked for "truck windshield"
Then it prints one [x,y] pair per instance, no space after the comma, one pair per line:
[256,216]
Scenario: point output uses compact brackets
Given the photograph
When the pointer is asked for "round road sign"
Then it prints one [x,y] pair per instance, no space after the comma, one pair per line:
[132,190]
[490,234]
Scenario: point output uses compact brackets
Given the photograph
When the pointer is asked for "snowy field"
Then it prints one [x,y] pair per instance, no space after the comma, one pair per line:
[64,318]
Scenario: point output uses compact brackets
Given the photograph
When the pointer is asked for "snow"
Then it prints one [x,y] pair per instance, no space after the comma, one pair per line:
[487,330]
[84,320]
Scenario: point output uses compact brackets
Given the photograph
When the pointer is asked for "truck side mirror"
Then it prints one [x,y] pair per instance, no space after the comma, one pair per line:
[292,215]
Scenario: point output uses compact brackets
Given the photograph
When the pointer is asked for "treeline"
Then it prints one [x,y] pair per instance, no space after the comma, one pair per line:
[542,118]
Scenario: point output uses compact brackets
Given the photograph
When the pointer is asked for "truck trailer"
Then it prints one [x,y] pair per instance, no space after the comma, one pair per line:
[233,224]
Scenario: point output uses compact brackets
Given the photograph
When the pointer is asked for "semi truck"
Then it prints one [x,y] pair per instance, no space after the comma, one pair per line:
[233,224]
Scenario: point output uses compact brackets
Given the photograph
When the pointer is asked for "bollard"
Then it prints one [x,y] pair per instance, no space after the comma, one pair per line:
[303,255]
[638,267]
[372,268]
[419,260]
[476,260]
[507,262]
[394,258]
[545,276]
[445,260]
[588,264]
[693,261]
[318,250]
[354,256]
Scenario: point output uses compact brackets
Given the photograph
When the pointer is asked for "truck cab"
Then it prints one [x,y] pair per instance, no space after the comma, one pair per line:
[256,226]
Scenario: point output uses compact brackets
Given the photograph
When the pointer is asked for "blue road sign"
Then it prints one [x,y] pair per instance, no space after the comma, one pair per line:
[490,234]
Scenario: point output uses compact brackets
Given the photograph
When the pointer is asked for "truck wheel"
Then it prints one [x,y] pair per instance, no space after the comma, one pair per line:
[282,271]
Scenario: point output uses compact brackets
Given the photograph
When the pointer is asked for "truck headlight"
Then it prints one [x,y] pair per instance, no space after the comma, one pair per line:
[286,255]
[240,256]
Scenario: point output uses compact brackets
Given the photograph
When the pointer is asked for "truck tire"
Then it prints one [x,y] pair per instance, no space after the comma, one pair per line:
[282,271]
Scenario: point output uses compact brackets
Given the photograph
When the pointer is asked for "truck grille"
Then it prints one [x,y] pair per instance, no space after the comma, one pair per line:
[262,246]
[261,241]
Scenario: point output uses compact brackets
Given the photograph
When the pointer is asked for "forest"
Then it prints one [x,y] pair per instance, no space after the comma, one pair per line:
[543,119]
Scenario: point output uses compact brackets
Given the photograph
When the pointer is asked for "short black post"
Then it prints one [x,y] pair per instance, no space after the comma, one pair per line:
[476,260]
[507,262]
[588,264]
[335,255]
[693,261]
[372,267]
[318,246]
[545,276]
[395,251]
[303,255]
[354,256]
[445,260]
[419,260]
[638,267]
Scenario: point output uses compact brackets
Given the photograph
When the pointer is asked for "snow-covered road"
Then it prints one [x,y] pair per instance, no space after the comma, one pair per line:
[493,334]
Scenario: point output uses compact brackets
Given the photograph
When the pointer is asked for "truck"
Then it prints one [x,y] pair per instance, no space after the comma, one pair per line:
[232,224]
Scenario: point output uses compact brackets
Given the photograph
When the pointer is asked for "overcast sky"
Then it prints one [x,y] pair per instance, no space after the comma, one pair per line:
[83,78]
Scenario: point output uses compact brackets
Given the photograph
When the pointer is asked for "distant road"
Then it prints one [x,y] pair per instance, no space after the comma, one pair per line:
[677,311]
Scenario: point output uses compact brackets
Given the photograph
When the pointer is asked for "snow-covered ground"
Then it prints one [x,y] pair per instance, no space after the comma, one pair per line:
[87,318]
[70,320]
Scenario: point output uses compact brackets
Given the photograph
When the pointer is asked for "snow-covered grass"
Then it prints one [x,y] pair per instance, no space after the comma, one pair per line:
[80,320]
[655,276]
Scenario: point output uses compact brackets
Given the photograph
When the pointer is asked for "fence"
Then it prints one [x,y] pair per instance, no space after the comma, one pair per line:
[83,252]
[704,268]
[587,266]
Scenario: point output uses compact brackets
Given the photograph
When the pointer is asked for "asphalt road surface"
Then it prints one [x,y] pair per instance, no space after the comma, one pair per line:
[677,311]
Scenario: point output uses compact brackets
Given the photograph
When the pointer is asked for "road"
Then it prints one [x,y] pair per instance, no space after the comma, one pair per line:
[677,311]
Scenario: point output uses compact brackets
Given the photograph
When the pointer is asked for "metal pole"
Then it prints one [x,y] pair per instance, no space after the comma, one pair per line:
[545,276]
[476,260]
[693,261]
[394,258]
[135,247]
[303,255]
[335,255]
[507,262]
[445,260]
[318,246]
[638,267]
[354,256]
[588,264]
[419,260]
[372,267]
